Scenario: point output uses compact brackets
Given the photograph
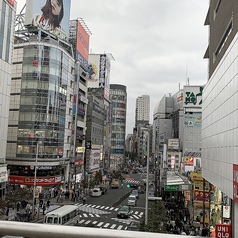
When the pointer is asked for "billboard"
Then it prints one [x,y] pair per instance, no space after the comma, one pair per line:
[82,45]
[193,96]
[50,15]
[193,120]
[173,144]
[94,162]
[99,72]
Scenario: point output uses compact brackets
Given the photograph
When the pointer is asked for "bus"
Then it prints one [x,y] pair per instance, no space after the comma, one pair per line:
[66,215]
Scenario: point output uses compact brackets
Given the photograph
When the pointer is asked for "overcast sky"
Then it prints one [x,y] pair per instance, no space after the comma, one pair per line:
[156,44]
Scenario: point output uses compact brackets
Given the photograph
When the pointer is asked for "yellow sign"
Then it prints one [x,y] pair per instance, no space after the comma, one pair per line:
[80,149]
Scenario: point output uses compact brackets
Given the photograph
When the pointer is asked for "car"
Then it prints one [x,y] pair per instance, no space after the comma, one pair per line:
[133,226]
[104,190]
[124,212]
[132,201]
[135,192]
[96,192]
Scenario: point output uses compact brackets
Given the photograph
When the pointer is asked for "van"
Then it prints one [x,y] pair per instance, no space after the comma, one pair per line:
[97,192]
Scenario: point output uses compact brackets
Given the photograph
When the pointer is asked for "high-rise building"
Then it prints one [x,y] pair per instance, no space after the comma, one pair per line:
[7,12]
[219,111]
[142,114]
[118,98]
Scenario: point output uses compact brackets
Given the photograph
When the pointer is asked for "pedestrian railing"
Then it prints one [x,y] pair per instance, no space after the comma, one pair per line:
[35,230]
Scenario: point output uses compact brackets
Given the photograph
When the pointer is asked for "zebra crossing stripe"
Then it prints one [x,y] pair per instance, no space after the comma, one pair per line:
[91,215]
[82,221]
[97,206]
[102,207]
[87,222]
[97,215]
[106,207]
[136,212]
[93,205]
[113,226]
[111,208]
[100,223]
[95,222]
[119,227]
[106,225]
[116,209]
[136,216]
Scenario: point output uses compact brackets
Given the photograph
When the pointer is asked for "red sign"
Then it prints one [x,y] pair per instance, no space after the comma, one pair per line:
[29,181]
[198,195]
[223,231]
[188,161]
[79,162]
[11,2]
[235,183]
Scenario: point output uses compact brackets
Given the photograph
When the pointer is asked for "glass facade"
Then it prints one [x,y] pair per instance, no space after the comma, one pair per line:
[42,109]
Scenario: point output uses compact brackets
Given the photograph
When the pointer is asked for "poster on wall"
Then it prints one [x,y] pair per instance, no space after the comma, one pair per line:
[51,16]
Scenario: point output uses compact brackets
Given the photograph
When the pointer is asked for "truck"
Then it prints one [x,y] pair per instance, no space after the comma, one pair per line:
[115,183]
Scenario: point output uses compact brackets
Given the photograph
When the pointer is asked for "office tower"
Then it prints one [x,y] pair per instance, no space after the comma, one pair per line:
[219,112]
[118,98]
[7,12]
[142,114]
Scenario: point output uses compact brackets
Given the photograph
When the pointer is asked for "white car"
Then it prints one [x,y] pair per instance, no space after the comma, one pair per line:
[132,201]
[97,192]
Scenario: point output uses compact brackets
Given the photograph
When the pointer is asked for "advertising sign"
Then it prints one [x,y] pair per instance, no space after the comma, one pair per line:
[198,195]
[223,230]
[235,183]
[173,144]
[93,71]
[40,181]
[82,46]
[188,161]
[51,16]
[94,162]
[171,188]
[193,120]
[3,174]
[79,163]
[193,96]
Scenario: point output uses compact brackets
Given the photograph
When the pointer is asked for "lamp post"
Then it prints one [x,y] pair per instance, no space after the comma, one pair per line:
[147,181]
[34,186]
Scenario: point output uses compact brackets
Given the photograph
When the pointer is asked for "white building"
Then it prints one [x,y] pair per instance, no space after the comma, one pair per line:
[142,113]
[7,20]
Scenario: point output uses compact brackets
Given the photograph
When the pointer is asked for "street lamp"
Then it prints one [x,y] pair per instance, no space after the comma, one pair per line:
[34,186]
[147,180]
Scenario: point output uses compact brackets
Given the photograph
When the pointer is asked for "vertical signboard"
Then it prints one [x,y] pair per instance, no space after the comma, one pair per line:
[82,45]
[93,71]
[51,16]
[235,183]
[223,230]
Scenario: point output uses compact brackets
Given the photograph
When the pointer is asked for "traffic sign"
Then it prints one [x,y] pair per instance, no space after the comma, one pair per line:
[171,188]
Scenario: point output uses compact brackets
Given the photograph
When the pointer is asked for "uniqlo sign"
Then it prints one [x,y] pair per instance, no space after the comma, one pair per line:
[223,231]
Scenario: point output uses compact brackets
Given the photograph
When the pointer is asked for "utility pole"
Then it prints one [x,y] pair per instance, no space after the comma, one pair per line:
[147,180]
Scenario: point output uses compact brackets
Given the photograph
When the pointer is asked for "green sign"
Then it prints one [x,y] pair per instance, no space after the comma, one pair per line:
[171,188]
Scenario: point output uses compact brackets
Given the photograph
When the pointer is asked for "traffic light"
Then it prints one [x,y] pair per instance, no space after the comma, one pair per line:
[128,185]
[86,172]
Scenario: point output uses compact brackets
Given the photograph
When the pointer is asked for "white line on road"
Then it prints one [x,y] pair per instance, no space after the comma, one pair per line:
[87,222]
[97,206]
[119,227]
[95,222]
[111,208]
[136,212]
[102,207]
[113,226]
[116,209]
[100,223]
[97,215]
[82,221]
[106,225]
[106,207]
[85,215]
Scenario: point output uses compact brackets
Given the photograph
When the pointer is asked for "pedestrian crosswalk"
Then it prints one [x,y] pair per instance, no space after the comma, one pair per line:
[105,225]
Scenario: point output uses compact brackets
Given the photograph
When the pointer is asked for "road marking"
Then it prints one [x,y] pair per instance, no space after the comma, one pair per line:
[136,212]
[97,215]
[116,209]
[100,223]
[91,215]
[136,217]
[85,215]
[113,226]
[106,225]
[82,221]
[93,205]
[119,227]
[141,213]
[106,207]
[87,222]
[97,206]
[102,207]
[111,208]
[95,222]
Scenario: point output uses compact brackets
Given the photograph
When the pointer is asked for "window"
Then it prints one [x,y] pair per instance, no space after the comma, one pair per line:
[216,9]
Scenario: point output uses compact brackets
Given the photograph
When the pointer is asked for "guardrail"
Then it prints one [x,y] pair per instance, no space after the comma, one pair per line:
[36,230]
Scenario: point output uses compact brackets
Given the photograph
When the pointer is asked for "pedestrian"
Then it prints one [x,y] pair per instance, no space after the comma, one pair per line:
[84,199]
[48,204]
[44,208]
